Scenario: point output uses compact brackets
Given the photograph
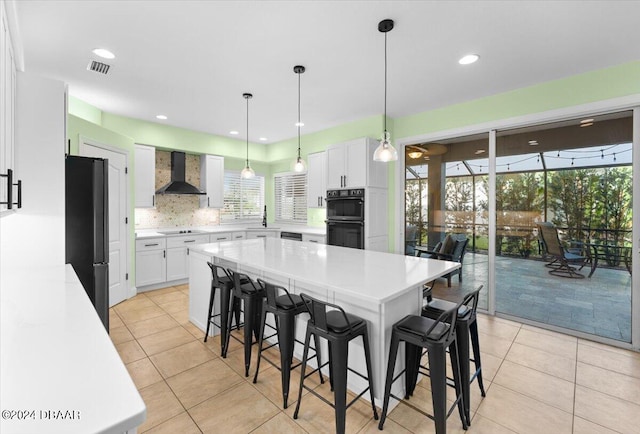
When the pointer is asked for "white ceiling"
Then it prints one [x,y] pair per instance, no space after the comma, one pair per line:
[192,60]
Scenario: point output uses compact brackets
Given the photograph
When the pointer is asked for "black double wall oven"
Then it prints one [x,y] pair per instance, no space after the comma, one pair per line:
[345,218]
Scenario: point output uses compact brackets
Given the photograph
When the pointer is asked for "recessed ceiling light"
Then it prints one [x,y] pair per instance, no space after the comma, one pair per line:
[299,124]
[235,133]
[104,53]
[163,117]
[533,143]
[588,124]
[480,151]
[263,139]
[468,59]
[586,121]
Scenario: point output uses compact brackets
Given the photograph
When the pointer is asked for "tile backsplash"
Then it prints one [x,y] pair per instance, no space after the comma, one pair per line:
[176,210]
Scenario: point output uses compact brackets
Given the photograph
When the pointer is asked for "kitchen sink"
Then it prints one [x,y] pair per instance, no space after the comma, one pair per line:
[182,231]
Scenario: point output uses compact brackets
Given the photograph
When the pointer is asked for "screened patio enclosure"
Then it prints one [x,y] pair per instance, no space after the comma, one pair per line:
[576,174]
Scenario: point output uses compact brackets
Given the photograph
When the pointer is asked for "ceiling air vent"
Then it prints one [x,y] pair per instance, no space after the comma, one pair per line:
[100,67]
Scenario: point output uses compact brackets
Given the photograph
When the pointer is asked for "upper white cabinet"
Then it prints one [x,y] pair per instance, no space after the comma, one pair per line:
[316,182]
[145,182]
[7,109]
[212,181]
[351,165]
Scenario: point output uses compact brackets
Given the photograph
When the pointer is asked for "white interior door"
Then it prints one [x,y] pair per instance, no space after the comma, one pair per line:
[117,217]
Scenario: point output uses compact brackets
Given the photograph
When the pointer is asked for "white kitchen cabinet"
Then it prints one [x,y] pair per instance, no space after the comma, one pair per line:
[7,109]
[145,179]
[262,234]
[316,182]
[319,239]
[151,261]
[212,181]
[221,236]
[177,255]
[239,235]
[351,165]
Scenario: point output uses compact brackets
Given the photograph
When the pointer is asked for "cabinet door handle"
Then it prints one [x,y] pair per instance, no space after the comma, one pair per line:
[238,236]
[151,245]
[164,253]
[221,238]
[189,241]
[345,180]
[153,200]
[313,241]
[208,201]
[261,236]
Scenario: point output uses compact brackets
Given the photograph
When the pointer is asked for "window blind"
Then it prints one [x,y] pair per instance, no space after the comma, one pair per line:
[243,198]
[290,191]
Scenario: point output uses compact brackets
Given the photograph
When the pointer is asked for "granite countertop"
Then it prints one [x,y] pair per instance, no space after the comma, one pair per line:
[302,229]
[58,360]
[365,274]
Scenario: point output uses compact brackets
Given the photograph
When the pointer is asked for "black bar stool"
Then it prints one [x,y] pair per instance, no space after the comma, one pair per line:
[284,307]
[251,296]
[221,280]
[338,328]
[436,336]
[466,326]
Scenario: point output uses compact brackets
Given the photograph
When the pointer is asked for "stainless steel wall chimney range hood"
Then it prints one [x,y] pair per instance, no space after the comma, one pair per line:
[178,185]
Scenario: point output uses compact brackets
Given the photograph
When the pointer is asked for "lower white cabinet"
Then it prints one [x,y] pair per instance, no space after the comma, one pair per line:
[160,260]
[319,239]
[151,262]
[177,252]
[262,234]
[221,236]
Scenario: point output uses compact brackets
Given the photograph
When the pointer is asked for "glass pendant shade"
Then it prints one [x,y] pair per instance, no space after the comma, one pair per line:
[299,165]
[385,151]
[247,173]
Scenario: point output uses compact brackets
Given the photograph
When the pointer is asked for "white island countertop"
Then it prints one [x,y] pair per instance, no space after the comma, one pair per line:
[368,275]
[59,370]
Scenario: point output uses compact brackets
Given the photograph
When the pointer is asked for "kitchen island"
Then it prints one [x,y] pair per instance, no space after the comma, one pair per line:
[379,287]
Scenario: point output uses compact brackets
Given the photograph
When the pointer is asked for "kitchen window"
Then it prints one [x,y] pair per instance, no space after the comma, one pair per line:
[243,198]
[291,197]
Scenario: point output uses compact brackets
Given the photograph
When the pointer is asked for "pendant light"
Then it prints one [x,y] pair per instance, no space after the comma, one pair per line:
[247,172]
[299,165]
[385,151]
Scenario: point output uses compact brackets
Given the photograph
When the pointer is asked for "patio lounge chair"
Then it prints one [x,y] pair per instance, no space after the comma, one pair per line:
[562,259]
[452,248]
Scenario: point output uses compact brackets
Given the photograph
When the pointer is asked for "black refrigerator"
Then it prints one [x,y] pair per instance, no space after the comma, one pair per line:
[87,228]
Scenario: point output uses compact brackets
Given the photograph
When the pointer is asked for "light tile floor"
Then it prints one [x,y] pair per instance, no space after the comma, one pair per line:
[537,381]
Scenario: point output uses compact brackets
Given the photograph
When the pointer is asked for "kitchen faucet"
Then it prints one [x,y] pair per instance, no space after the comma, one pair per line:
[264,217]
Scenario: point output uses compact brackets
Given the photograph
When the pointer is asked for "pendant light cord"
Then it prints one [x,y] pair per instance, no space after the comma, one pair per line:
[385,83]
[247,131]
[299,115]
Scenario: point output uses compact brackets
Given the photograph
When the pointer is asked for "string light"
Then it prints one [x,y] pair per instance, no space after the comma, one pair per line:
[603,153]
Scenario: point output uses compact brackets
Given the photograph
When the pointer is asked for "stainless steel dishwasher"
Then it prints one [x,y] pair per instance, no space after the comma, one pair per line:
[291,236]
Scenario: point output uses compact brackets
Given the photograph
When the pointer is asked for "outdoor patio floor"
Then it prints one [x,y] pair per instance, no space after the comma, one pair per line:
[600,305]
